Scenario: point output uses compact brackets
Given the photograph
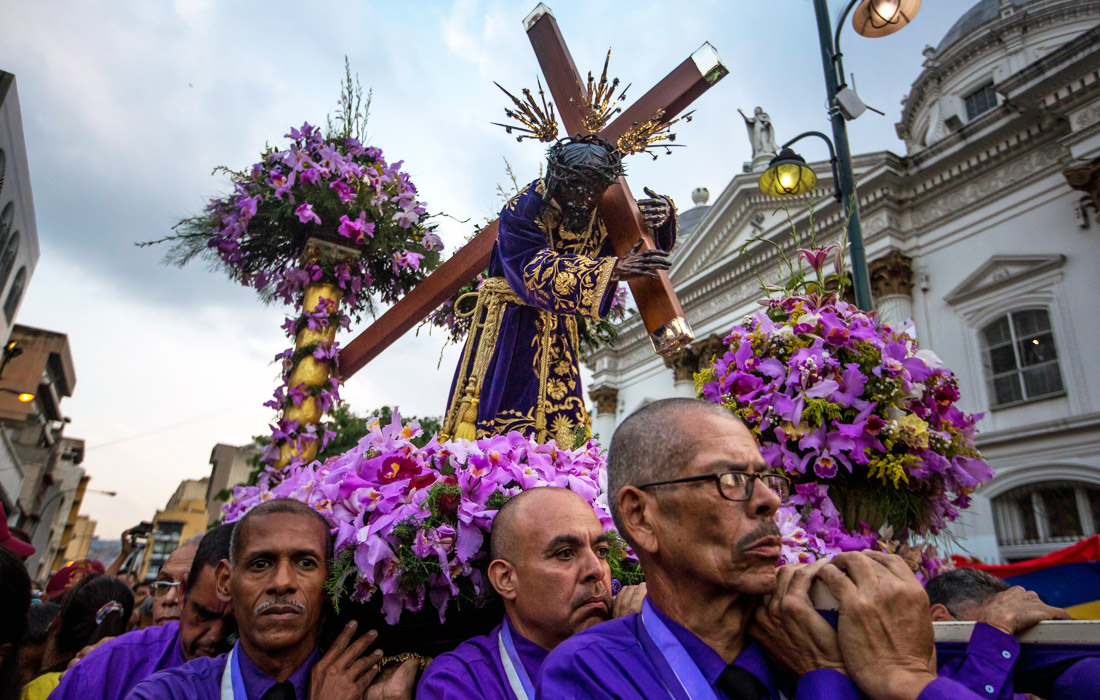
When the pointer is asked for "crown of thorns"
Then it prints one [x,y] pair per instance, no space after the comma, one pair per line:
[580,158]
[535,119]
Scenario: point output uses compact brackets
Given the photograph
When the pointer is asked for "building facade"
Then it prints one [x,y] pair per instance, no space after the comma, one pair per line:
[183,517]
[229,466]
[984,236]
[18,252]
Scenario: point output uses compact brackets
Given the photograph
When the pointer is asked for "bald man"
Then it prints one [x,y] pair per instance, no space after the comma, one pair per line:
[549,565]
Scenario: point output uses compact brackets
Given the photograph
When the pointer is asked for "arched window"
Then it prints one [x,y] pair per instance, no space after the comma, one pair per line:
[16,293]
[7,259]
[1021,362]
[1034,519]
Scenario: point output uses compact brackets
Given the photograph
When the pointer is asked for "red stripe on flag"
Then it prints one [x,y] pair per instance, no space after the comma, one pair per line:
[1086,550]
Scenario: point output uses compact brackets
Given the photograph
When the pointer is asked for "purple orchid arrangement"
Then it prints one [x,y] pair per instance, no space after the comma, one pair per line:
[326,186]
[863,421]
[411,524]
[376,243]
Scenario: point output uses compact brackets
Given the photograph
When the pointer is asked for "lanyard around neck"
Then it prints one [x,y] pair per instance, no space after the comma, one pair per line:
[232,681]
[518,679]
[677,658]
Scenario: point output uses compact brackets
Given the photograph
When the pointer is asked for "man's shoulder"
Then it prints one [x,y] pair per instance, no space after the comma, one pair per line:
[157,635]
[181,681]
[471,669]
[133,656]
[609,638]
[474,651]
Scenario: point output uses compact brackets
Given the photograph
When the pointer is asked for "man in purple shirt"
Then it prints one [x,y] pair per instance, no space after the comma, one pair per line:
[992,654]
[691,494]
[549,565]
[109,671]
[279,562]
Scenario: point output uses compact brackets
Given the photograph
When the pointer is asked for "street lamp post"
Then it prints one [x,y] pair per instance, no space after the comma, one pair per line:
[59,494]
[861,281]
[873,18]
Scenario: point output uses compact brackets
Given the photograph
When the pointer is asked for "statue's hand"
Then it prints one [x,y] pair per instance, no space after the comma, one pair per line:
[640,263]
[655,210]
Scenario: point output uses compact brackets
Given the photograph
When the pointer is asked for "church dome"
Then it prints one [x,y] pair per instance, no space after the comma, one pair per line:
[992,41]
[985,11]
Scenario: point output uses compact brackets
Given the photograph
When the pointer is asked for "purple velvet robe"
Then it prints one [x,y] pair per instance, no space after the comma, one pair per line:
[555,276]
[474,670]
[113,669]
[201,679]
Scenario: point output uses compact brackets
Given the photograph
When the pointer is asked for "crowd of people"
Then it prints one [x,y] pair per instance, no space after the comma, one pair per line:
[239,612]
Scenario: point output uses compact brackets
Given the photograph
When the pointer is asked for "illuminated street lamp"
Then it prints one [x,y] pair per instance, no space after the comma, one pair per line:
[789,176]
[875,18]
[23,396]
[872,18]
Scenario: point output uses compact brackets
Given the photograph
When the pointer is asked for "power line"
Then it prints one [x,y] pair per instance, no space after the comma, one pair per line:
[167,428]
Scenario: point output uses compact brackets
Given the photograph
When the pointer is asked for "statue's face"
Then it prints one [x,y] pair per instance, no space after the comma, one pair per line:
[579,197]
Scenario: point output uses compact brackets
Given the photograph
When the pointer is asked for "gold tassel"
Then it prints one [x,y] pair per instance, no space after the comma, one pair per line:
[467,429]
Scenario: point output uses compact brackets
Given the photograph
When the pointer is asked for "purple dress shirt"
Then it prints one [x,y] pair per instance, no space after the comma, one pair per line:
[474,669]
[618,659]
[112,669]
[201,679]
[993,665]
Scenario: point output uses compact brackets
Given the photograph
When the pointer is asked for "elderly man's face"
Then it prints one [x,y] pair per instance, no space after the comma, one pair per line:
[563,581]
[732,545]
[277,585]
[167,597]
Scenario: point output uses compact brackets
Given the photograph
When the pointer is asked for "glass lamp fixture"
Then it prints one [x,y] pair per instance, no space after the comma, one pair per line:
[875,18]
[787,176]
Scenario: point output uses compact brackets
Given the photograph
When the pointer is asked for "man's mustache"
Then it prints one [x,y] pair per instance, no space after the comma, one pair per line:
[597,592]
[767,528]
[291,602]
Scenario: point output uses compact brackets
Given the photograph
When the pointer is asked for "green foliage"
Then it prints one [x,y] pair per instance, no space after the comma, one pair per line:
[818,409]
[627,571]
[343,567]
[350,121]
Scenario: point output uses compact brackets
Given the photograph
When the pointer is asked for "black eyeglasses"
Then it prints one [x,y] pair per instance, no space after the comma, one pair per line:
[735,486]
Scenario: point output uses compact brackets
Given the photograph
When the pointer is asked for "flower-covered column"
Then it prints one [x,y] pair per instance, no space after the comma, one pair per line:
[310,377]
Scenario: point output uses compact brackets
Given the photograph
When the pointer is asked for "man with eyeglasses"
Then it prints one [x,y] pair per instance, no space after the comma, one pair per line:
[165,589]
[110,670]
[691,494]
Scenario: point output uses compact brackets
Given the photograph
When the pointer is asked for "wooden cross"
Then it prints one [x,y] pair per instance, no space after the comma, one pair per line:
[657,303]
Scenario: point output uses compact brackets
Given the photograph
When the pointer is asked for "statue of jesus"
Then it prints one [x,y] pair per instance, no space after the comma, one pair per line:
[552,262]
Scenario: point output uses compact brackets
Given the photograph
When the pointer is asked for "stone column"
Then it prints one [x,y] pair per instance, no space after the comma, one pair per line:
[606,399]
[685,363]
[892,287]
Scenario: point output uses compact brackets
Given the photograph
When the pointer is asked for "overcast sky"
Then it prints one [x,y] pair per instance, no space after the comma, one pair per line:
[128,105]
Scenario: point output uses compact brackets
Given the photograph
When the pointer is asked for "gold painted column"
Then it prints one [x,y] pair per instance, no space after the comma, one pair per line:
[308,371]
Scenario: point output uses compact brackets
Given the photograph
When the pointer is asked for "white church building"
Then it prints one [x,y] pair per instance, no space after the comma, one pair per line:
[985,233]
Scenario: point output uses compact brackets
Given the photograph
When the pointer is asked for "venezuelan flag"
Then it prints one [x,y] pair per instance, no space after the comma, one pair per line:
[1068,578]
